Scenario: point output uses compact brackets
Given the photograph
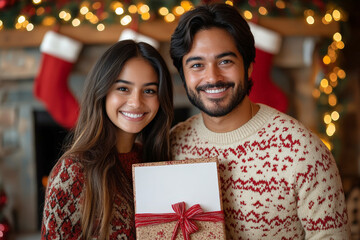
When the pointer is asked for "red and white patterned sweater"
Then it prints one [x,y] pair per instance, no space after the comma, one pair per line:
[64,196]
[278,180]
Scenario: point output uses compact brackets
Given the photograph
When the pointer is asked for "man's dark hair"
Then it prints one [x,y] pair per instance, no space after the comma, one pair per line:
[218,15]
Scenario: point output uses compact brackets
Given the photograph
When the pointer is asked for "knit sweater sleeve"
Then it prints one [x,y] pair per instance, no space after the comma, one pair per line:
[61,215]
[320,198]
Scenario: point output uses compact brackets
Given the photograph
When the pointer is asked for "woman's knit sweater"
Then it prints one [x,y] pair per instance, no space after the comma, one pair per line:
[278,180]
[64,199]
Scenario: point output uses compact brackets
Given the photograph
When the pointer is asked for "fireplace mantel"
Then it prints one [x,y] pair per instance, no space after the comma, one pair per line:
[158,30]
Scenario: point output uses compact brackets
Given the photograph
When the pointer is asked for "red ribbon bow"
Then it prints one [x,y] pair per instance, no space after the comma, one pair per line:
[185,219]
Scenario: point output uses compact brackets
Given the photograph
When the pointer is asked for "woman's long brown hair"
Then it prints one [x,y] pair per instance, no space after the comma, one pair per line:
[94,141]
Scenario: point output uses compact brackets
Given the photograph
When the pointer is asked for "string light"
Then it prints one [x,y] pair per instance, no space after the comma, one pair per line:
[335,116]
[280,4]
[310,20]
[179,10]
[187,5]
[119,11]
[336,15]
[330,130]
[132,9]
[40,11]
[100,27]
[229,3]
[327,119]
[337,37]
[145,16]
[169,17]
[248,15]
[163,11]
[124,12]
[126,20]
[263,11]
[84,10]
[29,27]
[75,22]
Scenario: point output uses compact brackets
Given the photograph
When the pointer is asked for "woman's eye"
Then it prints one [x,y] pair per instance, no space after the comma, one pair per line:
[150,91]
[123,89]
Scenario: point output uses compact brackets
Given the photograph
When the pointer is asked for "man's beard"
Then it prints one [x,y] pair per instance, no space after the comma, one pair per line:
[218,110]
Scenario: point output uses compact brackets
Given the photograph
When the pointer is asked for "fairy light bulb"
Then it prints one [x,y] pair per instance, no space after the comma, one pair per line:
[169,18]
[132,9]
[335,116]
[229,3]
[145,16]
[119,11]
[126,20]
[336,15]
[187,5]
[326,60]
[84,10]
[263,11]
[327,119]
[21,19]
[29,27]
[75,22]
[280,4]
[310,20]
[337,37]
[248,15]
[179,11]
[330,130]
[100,27]
[163,11]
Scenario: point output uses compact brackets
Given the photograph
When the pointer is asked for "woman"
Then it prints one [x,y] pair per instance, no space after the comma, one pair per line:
[127,99]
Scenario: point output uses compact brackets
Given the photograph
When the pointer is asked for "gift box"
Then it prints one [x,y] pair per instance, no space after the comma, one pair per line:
[178,200]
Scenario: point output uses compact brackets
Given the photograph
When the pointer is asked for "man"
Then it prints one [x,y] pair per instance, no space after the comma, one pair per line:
[278,179]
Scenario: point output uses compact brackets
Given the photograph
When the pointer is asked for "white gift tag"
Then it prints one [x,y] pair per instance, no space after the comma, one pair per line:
[157,187]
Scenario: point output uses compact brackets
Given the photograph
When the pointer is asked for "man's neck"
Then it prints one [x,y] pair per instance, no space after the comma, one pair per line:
[233,120]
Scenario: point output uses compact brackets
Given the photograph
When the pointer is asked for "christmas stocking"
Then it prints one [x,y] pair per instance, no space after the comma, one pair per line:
[128,33]
[59,53]
[267,44]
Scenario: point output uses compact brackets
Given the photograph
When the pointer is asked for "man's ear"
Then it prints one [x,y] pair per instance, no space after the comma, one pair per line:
[250,69]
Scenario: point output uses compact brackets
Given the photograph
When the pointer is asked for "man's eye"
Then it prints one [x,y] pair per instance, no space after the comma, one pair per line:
[196,65]
[225,61]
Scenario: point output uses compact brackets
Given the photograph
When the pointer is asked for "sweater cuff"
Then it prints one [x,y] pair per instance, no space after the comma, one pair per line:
[265,39]
[60,46]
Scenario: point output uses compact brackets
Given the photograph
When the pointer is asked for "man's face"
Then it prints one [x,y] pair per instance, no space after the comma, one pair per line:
[214,72]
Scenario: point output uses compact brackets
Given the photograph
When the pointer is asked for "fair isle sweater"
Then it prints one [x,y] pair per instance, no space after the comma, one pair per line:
[278,180]
[64,199]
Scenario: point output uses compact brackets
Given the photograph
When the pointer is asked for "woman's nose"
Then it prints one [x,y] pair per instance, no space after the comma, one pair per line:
[135,99]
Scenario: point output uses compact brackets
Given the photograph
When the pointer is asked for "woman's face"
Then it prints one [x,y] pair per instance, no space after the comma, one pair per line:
[132,102]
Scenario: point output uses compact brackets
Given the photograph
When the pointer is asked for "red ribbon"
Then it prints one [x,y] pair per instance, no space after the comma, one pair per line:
[185,219]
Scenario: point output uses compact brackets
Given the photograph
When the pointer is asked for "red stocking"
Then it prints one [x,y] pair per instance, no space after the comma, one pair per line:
[59,53]
[267,44]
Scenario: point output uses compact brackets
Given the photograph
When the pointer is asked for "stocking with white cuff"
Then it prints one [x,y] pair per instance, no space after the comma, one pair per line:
[267,44]
[59,53]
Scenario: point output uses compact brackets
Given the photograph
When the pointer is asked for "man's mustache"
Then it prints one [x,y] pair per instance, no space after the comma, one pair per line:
[215,85]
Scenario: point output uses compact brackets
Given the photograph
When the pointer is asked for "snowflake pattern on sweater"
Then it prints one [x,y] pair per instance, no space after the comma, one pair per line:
[64,197]
[278,180]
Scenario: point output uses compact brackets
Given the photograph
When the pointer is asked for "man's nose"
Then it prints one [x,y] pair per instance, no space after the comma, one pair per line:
[213,74]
